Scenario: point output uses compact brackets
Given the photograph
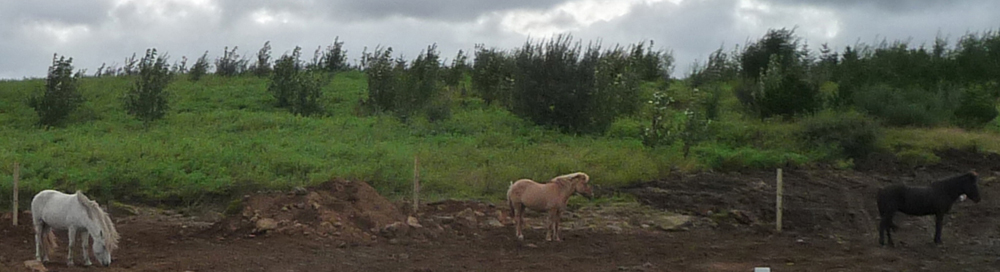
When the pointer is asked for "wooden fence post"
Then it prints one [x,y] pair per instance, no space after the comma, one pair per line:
[777,208]
[14,213]
[416,184]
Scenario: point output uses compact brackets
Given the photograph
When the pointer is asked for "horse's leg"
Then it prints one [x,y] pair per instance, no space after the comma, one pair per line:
[518,210]
[39,229]
[550,226]
[938,219]
[84,241]
[69,247]
[883,229]
[557,220]
[886,227]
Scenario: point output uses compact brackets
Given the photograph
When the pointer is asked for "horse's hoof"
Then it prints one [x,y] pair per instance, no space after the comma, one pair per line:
[520,237]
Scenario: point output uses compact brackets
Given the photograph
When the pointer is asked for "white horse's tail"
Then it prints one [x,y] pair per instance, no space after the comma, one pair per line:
[49,239]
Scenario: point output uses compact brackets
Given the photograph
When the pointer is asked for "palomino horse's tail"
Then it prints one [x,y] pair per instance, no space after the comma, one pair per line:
[510,202]
[49,239]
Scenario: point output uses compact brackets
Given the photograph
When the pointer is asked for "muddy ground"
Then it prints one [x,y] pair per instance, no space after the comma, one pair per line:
[698,222]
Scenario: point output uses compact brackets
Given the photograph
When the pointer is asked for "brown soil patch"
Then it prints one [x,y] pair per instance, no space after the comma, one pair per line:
[351,211]
[829,226]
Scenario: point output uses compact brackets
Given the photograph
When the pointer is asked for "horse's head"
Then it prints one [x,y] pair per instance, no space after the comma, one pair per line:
[580,181]
[971,188]
[101,250]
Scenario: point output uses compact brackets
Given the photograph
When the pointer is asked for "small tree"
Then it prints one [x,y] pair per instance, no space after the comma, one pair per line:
[283,78]
[200,67]
[459,66]
[61,95]
[230,64]
[130,68]
[335,57]
[182,67]
[146,100]
[493,75]
[293,87]
[382,87]
[420,83]
[263,66]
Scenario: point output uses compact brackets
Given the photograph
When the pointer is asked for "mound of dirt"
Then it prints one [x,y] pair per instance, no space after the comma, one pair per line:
[339,209]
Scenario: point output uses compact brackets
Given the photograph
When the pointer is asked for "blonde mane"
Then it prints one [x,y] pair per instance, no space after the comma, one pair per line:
[94,212]
[570,178]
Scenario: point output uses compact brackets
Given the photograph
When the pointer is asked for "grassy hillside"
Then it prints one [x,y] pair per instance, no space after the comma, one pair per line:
[222,137]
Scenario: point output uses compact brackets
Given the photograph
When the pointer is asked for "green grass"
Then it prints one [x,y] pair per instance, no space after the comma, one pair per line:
[222,138]
[923,139]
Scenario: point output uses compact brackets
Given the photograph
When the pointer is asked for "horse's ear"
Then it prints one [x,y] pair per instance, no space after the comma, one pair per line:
[582,177]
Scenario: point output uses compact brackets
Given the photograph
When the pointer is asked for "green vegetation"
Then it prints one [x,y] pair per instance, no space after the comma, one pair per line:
[60,96]
[147,99]
[538,111]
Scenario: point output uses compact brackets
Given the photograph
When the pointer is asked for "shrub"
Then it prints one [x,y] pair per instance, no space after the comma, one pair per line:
[180,68]
[293,87]
[554,84]
[420,83]
[262,67]
[379,66]
[335,57]
[977,107]
[650,65]
[230,64]
[307,93]
[130,66]
[61,95]
[456,72]
[147,99]
[405,89]
[493,75]
[851,134]
[200,68]
[904,107]
[777,69]
[616,83]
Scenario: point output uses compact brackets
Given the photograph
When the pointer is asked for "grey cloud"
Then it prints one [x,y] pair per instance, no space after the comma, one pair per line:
[65,12]
[445,10]
[691,29]
[888,6]
[373,10]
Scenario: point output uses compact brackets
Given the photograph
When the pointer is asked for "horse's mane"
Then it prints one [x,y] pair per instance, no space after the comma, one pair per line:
[569,178]
[94,212]
[960,178]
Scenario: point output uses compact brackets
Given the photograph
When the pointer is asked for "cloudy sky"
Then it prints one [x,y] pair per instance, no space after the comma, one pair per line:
[108,31]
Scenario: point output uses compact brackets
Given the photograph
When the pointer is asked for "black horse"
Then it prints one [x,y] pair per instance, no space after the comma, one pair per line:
[935,199]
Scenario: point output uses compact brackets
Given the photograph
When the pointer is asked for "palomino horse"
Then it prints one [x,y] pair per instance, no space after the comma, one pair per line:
[936,199]
[550,197]
[55,210]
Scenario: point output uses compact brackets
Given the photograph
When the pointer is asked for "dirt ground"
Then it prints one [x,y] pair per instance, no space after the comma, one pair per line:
[699,222]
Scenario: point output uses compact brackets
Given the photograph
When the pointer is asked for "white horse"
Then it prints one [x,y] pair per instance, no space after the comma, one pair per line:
[56,210]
